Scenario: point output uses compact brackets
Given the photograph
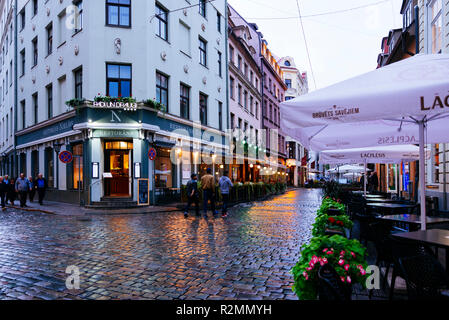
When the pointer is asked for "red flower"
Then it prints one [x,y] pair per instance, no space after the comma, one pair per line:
[331,220]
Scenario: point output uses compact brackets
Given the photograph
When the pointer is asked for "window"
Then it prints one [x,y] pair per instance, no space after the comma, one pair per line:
[77,167]
[203,52]
[49,101]
[22,19]
[288,83]
[245,72]
[10,74]
[185,101]
[62,28]
[78,74]
[6,85]
[220,115]
[257,110]
[184,38]
[162,22]
[162,90]
[49,39]
[239,62]
[202,8]
[218,22]
[287,63]
[239,92]
[49,167]
[232,88]
[231,54]
[436,24]
[35,108]
[251,77]
[23,107]
[118,13]
[22,62]
[118,80]
[79,16]
[220,72]
[203,109]
[34,7]
[245,99]
[251,104]
[232,121]
[35,52]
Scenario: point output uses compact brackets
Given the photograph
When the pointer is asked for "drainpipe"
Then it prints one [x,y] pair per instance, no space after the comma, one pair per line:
[444,179]
[16,97]
[417,29]
[226,15]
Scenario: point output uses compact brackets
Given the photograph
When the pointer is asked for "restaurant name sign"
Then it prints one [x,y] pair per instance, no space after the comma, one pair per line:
[335,113]
[439,102]
[126,106]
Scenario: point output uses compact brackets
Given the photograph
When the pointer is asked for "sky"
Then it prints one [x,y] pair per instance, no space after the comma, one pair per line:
[341,45]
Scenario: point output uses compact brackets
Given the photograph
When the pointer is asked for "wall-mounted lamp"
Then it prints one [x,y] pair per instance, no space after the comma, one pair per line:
[95,170]
[137,170]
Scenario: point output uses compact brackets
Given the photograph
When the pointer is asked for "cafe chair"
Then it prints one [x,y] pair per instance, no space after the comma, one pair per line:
[330,287]
[425,277]
[402,249]
[364,221]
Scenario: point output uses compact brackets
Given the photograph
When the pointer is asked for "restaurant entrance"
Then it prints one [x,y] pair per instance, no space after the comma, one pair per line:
[118,160]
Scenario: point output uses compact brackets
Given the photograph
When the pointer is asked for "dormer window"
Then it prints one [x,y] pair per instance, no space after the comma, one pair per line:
[287,63]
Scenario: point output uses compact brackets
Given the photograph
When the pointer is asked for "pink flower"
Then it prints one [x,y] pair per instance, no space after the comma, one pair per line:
[325,249]
[324,260]
[362,272]
[342,279]
[329,252]
[349,279]
[353,254]
[342,253]
[309,268]
[341,262]
[305,275]
[346,267]
[314,259]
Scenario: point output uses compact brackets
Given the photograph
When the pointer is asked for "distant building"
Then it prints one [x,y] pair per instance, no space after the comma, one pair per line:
[297,85]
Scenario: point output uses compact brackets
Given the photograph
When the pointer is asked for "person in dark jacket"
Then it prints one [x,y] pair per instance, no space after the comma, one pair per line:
[3,190]
[11,194]
[32,191]
[192,195]
[41,186]
[22,188]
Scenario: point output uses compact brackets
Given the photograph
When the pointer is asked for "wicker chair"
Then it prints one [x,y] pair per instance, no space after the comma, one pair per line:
[425,277]
[330,287]
[402,249]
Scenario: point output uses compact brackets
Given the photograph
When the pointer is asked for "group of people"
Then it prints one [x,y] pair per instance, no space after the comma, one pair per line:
[372,183]
[22,188]
[208,186]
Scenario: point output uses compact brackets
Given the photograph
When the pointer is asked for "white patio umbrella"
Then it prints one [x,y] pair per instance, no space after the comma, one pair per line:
[383,154]
[347,169]
[392,105]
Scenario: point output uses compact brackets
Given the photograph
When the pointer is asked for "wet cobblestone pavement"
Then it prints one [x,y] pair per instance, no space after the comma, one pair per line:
[248,255]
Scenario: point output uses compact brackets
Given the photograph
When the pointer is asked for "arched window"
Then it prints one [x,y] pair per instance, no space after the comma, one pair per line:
[287,63]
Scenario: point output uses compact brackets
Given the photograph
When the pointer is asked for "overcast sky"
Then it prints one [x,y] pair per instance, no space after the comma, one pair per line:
[341,45]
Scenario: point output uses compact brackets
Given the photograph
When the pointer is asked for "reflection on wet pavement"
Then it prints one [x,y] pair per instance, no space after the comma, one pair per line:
[248,255]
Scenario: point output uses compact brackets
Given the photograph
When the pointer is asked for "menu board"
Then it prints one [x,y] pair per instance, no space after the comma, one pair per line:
[143,191]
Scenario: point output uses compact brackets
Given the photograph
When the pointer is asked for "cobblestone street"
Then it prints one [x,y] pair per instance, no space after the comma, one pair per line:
[248,255]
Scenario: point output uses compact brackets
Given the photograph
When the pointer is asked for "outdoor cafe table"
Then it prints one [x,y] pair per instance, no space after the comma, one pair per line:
[412,219]
[391,208]
[433,237]
[382,200]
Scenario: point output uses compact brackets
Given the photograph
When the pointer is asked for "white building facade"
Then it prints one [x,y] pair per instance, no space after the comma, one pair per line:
[111,81]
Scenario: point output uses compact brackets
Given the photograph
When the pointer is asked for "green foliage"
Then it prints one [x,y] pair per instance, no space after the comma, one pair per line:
[333,189]
[329,203]
[155,105]
[75,102]
[346,256]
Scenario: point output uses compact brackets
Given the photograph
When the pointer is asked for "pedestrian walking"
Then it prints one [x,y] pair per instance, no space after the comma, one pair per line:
[41,187]
[22,188]
[32,191]
[3,191]
[208,186]
[225,185]
[11,194]
[374,181]
[192,195]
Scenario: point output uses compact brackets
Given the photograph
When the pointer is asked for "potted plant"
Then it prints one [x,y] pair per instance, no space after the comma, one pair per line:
[345,256]
[333,204]
[331,224]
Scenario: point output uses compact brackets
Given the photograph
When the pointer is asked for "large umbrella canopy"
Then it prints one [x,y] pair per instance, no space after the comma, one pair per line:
[413,91]
[416,87]
[347,169]
[388,154]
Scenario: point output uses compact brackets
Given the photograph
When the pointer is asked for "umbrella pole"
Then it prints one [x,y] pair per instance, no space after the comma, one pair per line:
[422,168]
[364,181]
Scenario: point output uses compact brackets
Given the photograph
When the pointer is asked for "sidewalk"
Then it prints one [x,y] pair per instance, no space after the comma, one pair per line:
[67,209]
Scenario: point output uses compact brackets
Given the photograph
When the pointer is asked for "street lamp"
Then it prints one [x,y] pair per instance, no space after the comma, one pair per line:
[57,147]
